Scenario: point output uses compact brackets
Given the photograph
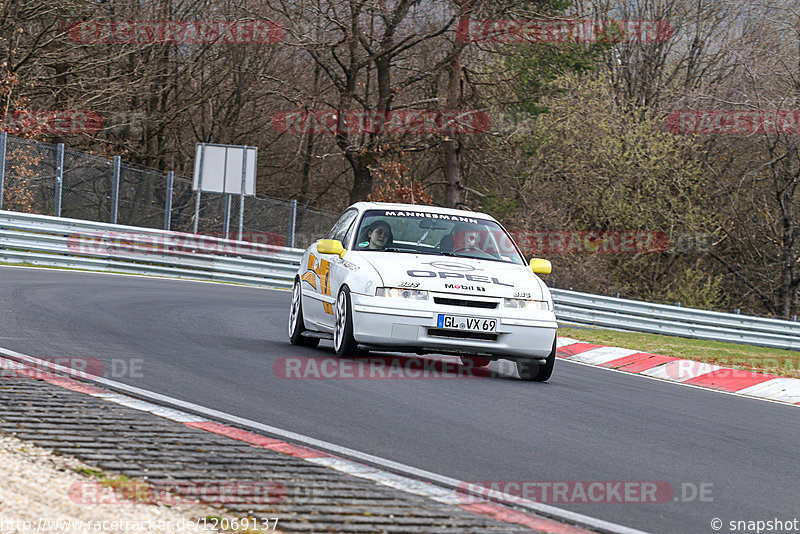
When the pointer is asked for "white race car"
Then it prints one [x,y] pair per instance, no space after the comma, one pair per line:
[423,279]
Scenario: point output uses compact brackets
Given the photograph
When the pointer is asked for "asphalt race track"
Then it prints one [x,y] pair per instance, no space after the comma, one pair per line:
[215,345]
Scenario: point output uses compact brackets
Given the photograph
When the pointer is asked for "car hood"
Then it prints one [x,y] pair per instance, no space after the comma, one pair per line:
[457,275]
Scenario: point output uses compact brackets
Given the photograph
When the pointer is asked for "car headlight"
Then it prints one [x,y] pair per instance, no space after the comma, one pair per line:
[401,293]
[526,304]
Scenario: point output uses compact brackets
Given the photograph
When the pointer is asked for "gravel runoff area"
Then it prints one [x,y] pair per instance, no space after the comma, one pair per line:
[132,453]
[36,496]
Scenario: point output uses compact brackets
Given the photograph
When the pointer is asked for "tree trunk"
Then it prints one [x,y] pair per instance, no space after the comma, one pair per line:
[787,293]
[362,177]
[452,145]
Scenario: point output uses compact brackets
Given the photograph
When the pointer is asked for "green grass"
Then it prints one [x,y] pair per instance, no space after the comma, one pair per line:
[89,472]
[142,492]
[748,357]
[124,487]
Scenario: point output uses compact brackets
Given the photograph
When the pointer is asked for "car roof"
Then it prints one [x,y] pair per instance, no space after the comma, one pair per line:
[418,208]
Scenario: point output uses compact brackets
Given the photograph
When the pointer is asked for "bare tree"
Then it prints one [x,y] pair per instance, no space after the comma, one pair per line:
[369,52]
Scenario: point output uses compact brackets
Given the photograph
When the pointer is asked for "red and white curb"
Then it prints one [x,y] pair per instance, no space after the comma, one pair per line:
[691,372]
[536,516]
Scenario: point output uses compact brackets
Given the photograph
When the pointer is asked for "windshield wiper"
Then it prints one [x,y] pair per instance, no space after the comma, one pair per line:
[427,252]
[393,249]
[454,255]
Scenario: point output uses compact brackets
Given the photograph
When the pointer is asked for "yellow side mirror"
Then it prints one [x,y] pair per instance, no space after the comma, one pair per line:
[331,246]
[540,266]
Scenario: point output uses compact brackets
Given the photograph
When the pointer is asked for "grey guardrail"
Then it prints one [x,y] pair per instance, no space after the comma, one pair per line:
[75,243]
[638,316]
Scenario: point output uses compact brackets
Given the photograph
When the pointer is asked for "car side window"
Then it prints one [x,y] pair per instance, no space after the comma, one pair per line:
[349,233]
[339,230]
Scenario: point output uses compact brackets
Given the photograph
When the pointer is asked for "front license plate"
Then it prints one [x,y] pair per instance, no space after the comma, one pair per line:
[473,324]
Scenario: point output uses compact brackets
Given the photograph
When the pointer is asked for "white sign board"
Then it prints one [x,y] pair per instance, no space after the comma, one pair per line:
[219,169]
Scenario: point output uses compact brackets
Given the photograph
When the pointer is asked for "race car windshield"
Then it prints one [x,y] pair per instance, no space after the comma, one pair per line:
[436,234]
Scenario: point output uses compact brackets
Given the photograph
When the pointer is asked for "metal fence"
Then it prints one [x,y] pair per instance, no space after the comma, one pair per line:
[53,180]
[63,242]
[639,316]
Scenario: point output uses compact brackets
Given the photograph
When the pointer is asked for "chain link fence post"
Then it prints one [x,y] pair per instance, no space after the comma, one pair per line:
[241,196]
[168,203]
[199,188]
[59,178]
[241,214]
[293,217]
[115,190]
[197,211]
[3,139]
[226,228]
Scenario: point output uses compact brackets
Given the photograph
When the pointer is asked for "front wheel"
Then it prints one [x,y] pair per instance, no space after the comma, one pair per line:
[296,324]
[343,340]
[537,372]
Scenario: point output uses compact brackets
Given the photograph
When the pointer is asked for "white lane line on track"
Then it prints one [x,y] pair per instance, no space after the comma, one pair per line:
[392,478]
[418,487]
[144,406]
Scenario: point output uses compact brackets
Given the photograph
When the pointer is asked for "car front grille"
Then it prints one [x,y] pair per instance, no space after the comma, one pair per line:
[466,303]
[462,334]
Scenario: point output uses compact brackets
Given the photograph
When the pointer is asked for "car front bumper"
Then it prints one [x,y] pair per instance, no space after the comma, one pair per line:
[402,323]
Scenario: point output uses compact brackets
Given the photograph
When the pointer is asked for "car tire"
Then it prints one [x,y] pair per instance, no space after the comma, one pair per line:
[296,324]
[537,372]
[343,341]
